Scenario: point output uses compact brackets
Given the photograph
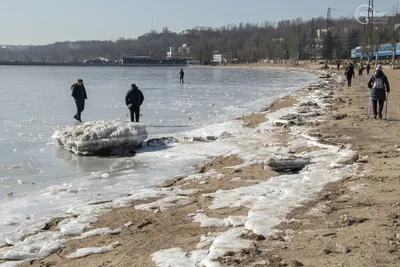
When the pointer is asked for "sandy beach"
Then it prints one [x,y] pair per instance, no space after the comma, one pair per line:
[353,221]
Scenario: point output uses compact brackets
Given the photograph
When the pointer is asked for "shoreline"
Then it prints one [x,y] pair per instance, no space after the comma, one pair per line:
[234,160]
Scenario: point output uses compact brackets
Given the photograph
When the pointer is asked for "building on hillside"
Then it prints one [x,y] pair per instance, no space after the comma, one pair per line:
[219,57]
[184,49]
[172,53]
[321,33]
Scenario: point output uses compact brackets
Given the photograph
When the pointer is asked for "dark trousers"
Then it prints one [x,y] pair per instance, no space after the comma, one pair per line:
[135,113]
[349,80]
[181,80]
[375,103]
[367,71]
[80,106]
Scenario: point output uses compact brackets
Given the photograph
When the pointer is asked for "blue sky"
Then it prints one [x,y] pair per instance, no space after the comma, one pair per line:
[48,21]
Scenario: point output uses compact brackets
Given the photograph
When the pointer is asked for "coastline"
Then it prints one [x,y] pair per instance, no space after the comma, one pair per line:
[258,171]
[355,221]
[146,226]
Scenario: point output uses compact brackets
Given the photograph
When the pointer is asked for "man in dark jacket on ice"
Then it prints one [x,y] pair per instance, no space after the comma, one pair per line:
[134,99]
[379,86]
[79,95]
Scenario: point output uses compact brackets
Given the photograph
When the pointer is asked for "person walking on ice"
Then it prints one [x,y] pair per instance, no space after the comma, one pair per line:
[181,74]
[134,99]
[79,95]
[379,85]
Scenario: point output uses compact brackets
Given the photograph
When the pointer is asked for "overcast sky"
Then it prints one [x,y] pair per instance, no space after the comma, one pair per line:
[48,21]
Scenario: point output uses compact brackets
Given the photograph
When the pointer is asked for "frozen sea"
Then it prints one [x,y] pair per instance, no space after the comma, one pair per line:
[39,179]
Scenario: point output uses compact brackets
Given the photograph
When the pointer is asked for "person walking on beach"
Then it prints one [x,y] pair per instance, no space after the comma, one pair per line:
[368,68]
[181,74]
[360,69]
[134,99]
[349,73]
[338,65]
[79,95]
[379,85]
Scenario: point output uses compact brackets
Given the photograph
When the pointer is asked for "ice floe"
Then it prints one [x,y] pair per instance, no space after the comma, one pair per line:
[102,137]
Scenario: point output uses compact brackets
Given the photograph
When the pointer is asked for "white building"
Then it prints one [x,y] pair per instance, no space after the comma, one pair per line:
[321,33]
[217,56]
[171,53]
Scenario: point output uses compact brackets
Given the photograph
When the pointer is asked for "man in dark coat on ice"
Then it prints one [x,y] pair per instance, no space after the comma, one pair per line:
[134,99]
[79,95]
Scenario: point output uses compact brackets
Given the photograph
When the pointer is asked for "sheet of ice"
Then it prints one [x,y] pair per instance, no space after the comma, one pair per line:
[165,203]
[206,221]
[98,231]
[175,257]
[83,252]
[102,137]
[236,220]
[11,263]
[206,240]
[145,194]
[210,174]
[228,241]
[33,247]
[77,225]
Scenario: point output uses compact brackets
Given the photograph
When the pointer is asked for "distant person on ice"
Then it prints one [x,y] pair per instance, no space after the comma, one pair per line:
[379,85]
[134,99]
[181,74]
[79,94]
[349,73]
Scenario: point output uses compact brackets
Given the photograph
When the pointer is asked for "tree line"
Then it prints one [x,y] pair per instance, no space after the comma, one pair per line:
[244,42]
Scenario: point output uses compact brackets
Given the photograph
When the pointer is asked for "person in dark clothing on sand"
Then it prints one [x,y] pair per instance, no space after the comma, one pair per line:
[134,99]
[181,74]
[349,73]
[368,68]
[379,85]
[79,94]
